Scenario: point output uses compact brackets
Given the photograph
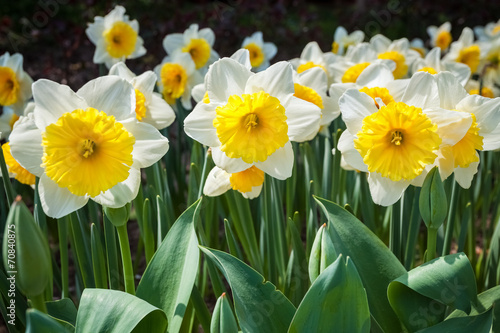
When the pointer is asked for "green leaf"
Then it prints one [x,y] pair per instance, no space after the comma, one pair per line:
[336,302]
[169,278]
[477,324]
[39,322]
[63,309]
[258,305]
[419,296]
[223,319]
[376,264]
[103,310]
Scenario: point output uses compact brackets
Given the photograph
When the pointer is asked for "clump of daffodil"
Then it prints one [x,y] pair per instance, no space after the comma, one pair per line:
[116,38]
[398,51]
[85,145]
[342,39]
[250,119]
[440,36]
[177,75]
[198,44]
[465,50]
[312,56]
[248,182]
[150,107]
[260,53]
[15,83]
[397,143]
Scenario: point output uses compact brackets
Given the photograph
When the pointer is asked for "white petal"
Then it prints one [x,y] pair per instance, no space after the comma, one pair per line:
[349,153]
[226,77]
[208,35]
[461,71]
[159,113]
[217,182]
[145,83]
[384,191]
[279,164]
[452,125]
[58,201]
[121,70]
[199,124]
[433,58]
[122,193]
[26,145]
[243,57]
[486,110]
[312,52]
[314,78]
[198,92]
[52,100]
[355,106]
[375,75]
[270,50]
[380,43]
[303,119]
[451,92]
[492,140]
[111,94]
[397,88]
[277,81]
[422,91]
[231,165]
[254,193]
[173,42]
[464,176]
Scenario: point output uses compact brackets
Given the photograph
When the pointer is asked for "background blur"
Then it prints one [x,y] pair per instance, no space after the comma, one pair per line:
[51,33]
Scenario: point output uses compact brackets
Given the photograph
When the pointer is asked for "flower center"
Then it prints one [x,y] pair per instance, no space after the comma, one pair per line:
[352,74]
[174,79]
[245,180]
[464,151]
[9,87]
[308,65]
[485,92]
[429,70]
[120,40]
[397,141]
[443,40]
[87,152]
[256,54]
[470,57]
[251,126]
[399,59]
[199,49]
[382,93]
[308,94]
[20,173]
[140,105]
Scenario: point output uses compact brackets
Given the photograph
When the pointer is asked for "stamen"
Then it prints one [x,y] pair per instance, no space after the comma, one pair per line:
[88,148]
[397,137]
[251,121]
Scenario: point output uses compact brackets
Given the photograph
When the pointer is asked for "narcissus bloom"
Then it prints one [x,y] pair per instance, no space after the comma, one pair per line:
[15,169]
[197,43]
[489,32]
[251,118]
[465,50]
[260,53]
[150,107]
[312,56]
[85,145]
[398,142]
[15,83]
[116,38]
[488,89]
[248,182]
[440,36]
[398,51]
[342,39]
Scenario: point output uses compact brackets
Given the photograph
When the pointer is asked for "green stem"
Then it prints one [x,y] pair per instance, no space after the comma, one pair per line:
[6,179]
[450,225]
[395,233]
[431,244]
[62,227]
[128,271]
[38,302]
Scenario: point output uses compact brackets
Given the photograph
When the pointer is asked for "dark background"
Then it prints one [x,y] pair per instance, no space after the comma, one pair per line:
[51,33]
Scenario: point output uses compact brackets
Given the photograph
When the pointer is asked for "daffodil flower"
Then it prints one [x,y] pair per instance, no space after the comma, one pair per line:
[398,51]
[248,182]
[398,141]
[15,83]
[489,32]
[196,43]
[85,145]
[440,36]
[251,118]
[260,53]
[465,50]
[312,56]
[487,90]
[150,107]
[116,38]
[491,61]
[483,134]
[342,39]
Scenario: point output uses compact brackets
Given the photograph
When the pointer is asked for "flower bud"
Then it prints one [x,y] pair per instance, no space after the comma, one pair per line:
[432,202]
[223,318]
[118,216]
[322,253]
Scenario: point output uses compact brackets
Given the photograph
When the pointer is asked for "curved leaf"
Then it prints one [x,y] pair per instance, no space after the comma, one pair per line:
[39,322]
[336,302]
[477,324]
[103,310]
[419,296]
[258,305]
[376,264]
[63,310]
[169,278]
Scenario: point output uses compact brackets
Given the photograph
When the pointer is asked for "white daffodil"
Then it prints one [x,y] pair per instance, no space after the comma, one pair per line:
[440,36]
[487,90]
[398,142]
[398,51]
[483,134]
[197,43]
[150,107]
[85,145]
[15,83]
[248,182]
[347,69]
[260,53]
[251,118]
[465,50]
[116,38]
[417,44]
[177,75]
[489,32]
[342,39]
[312,56]
[15,169]
[432,64]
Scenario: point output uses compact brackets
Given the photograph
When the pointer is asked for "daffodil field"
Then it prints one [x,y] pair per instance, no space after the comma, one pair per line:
[353,190]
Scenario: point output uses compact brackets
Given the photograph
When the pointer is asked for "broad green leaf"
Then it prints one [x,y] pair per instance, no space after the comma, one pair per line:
[258,305]
[419,296]
[63,309]
[469,324]
[376,264]
[169,278]
[336,302]
[39,322]
[223,320]
[110,311]
[490,297]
